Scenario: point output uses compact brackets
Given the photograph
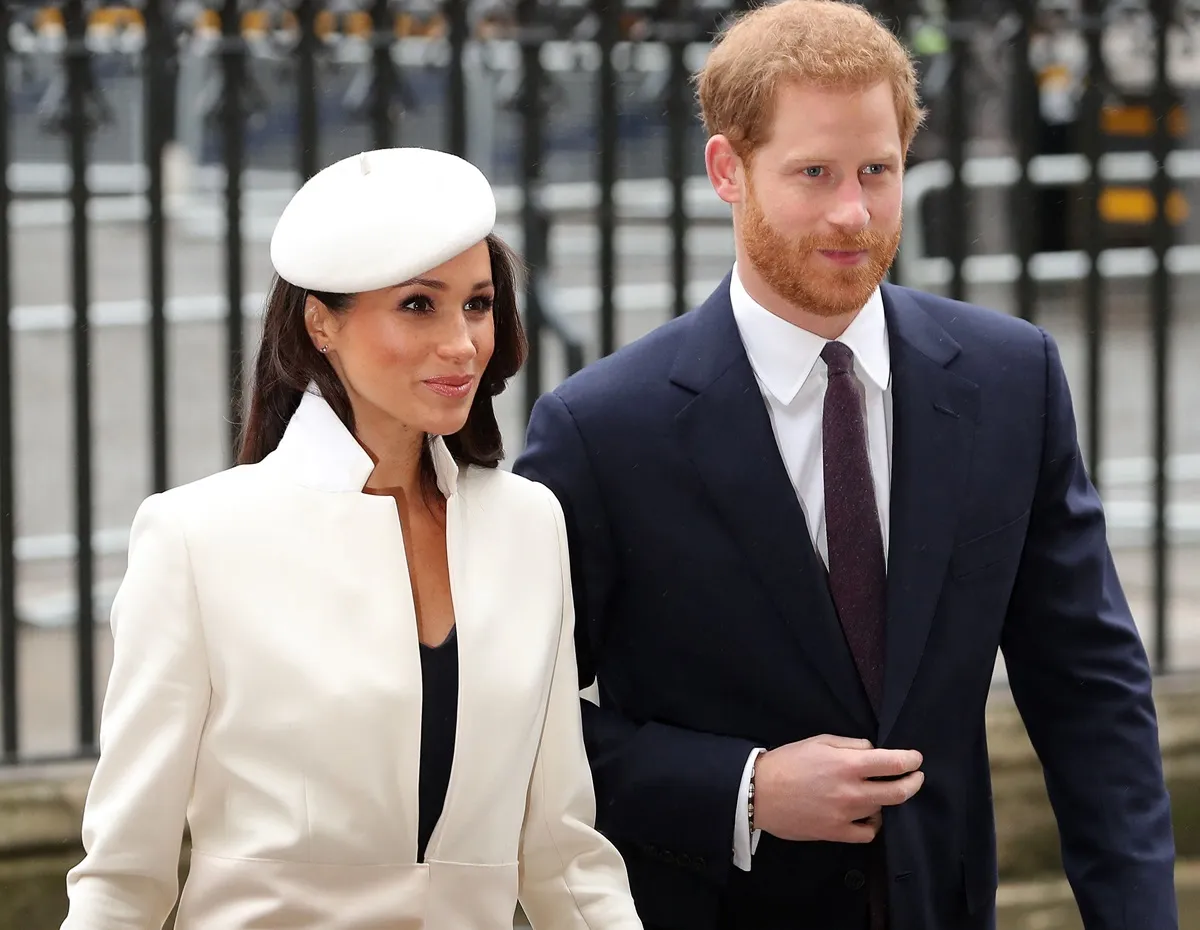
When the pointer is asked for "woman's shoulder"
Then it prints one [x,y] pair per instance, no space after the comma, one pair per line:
[229,491]
[514,495]
[501,484]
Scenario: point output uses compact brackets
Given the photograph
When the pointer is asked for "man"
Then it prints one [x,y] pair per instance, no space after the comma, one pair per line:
[805,516]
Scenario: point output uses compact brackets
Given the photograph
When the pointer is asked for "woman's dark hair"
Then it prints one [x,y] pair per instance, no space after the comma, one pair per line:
[288,361]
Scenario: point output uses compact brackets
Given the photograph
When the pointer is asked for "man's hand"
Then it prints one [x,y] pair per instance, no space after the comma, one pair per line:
[822,788]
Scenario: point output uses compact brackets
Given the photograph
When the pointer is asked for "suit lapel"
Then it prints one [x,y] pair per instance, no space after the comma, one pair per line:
[934,412]
[727,433]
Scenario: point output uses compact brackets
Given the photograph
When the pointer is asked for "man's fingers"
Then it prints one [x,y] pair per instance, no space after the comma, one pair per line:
[861,831]
[875,817]
[891,793]
[888,763]
[842,742]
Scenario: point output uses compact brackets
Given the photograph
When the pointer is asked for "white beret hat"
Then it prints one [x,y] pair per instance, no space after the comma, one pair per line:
[379,218]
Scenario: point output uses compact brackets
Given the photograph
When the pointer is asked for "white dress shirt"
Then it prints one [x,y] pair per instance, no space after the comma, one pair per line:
[785,361]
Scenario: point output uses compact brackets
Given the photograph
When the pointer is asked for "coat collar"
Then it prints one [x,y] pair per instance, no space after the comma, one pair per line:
[322,454]
[934,415]
[783,355]
[726,431]
[714,342]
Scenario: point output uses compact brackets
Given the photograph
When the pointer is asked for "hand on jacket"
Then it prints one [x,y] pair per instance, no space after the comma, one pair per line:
[831,788]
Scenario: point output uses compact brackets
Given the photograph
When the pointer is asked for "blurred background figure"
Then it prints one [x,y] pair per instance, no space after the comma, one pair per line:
[1058,56]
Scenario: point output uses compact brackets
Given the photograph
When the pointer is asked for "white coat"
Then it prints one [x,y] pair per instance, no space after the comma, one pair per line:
[266,686]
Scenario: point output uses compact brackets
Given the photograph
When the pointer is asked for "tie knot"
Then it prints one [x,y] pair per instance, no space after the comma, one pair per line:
[838,358]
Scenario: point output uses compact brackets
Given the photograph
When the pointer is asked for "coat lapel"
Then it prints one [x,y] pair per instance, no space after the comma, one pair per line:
[727,433]
[934,412]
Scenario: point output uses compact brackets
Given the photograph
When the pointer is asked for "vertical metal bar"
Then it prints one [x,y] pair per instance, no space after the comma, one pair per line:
[169,96]
[154,85]
[530,106]
[78,77]
[308,153]
[456,96]
[1093,289]
[1022,199]
[1161,308]
[9,732]
[957,217]
[679,119]
[233,62]
[382,74]
[892,13]
[609,13]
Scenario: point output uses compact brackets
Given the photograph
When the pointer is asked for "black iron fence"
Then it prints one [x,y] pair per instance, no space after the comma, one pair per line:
[1052,180]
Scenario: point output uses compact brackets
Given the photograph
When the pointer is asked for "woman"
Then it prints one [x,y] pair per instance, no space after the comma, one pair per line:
[348,663]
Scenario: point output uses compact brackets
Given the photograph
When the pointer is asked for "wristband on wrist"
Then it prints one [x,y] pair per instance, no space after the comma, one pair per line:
[750,800]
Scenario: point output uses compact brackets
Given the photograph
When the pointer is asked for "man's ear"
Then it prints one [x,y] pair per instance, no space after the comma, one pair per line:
[725,169]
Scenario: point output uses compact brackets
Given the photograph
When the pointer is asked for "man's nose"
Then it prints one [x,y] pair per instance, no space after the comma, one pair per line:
[849,210]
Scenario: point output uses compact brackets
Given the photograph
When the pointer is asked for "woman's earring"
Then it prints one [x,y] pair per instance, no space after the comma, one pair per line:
[324,349]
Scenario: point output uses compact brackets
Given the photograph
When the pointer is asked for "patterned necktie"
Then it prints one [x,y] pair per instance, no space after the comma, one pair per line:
[857,572]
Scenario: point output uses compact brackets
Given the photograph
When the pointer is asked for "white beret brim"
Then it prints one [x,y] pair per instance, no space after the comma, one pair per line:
[380,218]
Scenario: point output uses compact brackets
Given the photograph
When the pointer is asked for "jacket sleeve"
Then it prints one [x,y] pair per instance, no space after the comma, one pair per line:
[1080,678]
[153,712]
[570,875]
[663,789]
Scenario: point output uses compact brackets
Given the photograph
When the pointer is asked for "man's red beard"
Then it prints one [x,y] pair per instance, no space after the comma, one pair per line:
[816,286]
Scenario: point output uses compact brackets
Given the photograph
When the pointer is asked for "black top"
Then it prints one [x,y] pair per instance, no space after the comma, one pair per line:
[439,714]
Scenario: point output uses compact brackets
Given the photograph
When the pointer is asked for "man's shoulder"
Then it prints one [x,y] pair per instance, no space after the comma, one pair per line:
[634,375]
[984,334]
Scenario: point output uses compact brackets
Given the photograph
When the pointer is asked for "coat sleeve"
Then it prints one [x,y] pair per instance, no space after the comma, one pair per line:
[1081,680]
[570,875]
[153,713]
[660,787]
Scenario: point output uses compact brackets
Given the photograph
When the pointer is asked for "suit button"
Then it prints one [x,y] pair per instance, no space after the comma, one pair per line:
[854,880]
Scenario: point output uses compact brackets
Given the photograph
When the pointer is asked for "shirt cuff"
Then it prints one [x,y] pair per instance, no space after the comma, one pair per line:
[745,842]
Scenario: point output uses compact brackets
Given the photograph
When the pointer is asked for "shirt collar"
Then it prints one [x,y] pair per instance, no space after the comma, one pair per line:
[324,455]
[783,354]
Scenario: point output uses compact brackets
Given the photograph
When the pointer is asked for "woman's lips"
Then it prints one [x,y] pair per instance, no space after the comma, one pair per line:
[456,387]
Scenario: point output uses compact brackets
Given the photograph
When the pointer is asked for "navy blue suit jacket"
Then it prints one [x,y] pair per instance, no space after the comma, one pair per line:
[703,612]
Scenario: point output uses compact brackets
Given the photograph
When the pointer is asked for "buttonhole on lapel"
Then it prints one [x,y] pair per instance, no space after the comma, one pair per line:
[946,410]
[903,876]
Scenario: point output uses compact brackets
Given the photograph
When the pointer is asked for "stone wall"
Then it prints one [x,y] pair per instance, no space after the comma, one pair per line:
[40,809]
[1028,840]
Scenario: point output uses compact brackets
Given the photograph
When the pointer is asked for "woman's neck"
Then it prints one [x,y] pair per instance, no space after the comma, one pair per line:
[397,453]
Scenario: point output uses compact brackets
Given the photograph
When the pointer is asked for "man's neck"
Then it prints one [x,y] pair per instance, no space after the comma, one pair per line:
[827,327]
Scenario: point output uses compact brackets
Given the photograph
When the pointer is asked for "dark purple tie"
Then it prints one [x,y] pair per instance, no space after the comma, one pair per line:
[857,573]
